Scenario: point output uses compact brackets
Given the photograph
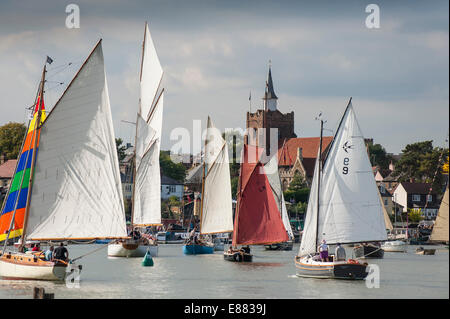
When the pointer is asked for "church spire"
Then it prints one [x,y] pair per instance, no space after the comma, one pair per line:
[270,98]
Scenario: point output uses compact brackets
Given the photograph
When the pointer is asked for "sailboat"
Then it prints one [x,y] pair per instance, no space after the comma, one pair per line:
[75,192]
[374,250]
[271,169]
[146,203]
[216,211]
[257,220]
[344,206]
[439,233]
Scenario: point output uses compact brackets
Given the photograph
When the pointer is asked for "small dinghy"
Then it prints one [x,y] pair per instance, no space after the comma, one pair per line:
[422,251]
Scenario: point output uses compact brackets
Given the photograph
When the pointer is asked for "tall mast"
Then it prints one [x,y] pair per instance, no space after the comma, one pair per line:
[318,182]
[36,127]
[203,181]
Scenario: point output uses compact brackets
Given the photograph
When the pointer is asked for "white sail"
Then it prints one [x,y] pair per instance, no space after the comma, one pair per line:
[77,192]
[308,243]
[271,169]
[440,228]
[217,211]
[350,208]
[151,75]
[147,180]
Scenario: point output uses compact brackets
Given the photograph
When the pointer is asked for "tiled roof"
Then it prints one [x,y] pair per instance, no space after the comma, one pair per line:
[165,180]
[416,188]
[7,169]
[287,153]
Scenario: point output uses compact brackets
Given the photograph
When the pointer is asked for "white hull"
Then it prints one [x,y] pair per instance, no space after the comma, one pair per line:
[394,246]
[118,250]
[10,270]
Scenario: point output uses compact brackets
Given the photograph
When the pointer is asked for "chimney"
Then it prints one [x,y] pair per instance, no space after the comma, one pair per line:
[391,166]
[411,180]
[300,154]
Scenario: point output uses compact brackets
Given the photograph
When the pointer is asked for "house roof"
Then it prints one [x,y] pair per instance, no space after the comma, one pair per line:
[417,188]
[165,180]
[287,153]
[7,169]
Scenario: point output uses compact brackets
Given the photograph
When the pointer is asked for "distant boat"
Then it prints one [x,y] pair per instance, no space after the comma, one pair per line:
[216,212]
[423,251]
[258,220]
[75,189]
[271,169]
[146,202]
[396,246]
[440,228]
[344,205]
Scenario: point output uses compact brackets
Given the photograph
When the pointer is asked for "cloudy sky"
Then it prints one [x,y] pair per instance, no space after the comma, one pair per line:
[214,52]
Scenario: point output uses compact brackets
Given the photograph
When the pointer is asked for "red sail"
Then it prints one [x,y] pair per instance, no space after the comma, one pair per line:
[258,220]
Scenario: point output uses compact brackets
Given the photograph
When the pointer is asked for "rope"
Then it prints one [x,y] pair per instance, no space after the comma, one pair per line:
[103,246]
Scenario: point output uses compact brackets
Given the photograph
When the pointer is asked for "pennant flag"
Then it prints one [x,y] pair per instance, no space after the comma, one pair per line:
[18,189]
[49,60]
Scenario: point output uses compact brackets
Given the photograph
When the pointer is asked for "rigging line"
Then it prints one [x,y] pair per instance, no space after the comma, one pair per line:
[95,250]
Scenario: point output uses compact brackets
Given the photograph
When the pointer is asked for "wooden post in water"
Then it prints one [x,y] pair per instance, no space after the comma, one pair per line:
[39,293]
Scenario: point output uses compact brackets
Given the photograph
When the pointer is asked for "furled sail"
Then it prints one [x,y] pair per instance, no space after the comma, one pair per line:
[147,181]
[271,169]
[18,191]
[440,228]
[257,220]
[349,207]
[77,192]
[217,210]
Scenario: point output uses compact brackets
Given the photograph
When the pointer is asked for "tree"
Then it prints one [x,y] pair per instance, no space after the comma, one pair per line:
[298,189]
[378,156]
[414,216]
[11,138]
[120,149]
[423,163]
[170,169]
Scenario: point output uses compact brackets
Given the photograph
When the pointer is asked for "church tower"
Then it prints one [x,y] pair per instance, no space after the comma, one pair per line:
[260,123]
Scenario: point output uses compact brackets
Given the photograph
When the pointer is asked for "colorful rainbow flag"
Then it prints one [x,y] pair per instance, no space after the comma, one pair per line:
[18,195]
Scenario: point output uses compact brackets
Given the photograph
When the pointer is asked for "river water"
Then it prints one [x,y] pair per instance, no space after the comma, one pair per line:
[270,275]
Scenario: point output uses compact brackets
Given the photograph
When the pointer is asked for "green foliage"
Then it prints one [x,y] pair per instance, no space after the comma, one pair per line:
[11,138]
[234,186]
[298,189]
[414,215]
[170,169]
[421,162]
[120,149]
[378,156]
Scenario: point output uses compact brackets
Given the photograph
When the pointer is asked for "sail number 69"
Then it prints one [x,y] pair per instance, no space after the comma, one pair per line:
[345,168]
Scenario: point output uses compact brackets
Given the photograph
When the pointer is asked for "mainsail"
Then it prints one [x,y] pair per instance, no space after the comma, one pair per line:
[77,192]
[271,169]
[147,180]
[217,210]
[257,220]
[440,228]
[18,190]
[349,207]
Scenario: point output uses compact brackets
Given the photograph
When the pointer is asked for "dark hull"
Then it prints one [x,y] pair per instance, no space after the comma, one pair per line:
[238,257]
[368,251]
[280,246]
[347,271]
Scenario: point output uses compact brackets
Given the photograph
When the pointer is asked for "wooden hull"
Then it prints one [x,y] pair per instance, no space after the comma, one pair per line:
[288,245]
[237,256]
[131,250]
[368,251]
[26,267]
[349,270]
[197,249]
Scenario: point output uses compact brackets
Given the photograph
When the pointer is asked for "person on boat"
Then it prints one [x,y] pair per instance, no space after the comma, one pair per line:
[246,249]
[339,252]
[61,252]
[323,250]
[36,247]
[49,253]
